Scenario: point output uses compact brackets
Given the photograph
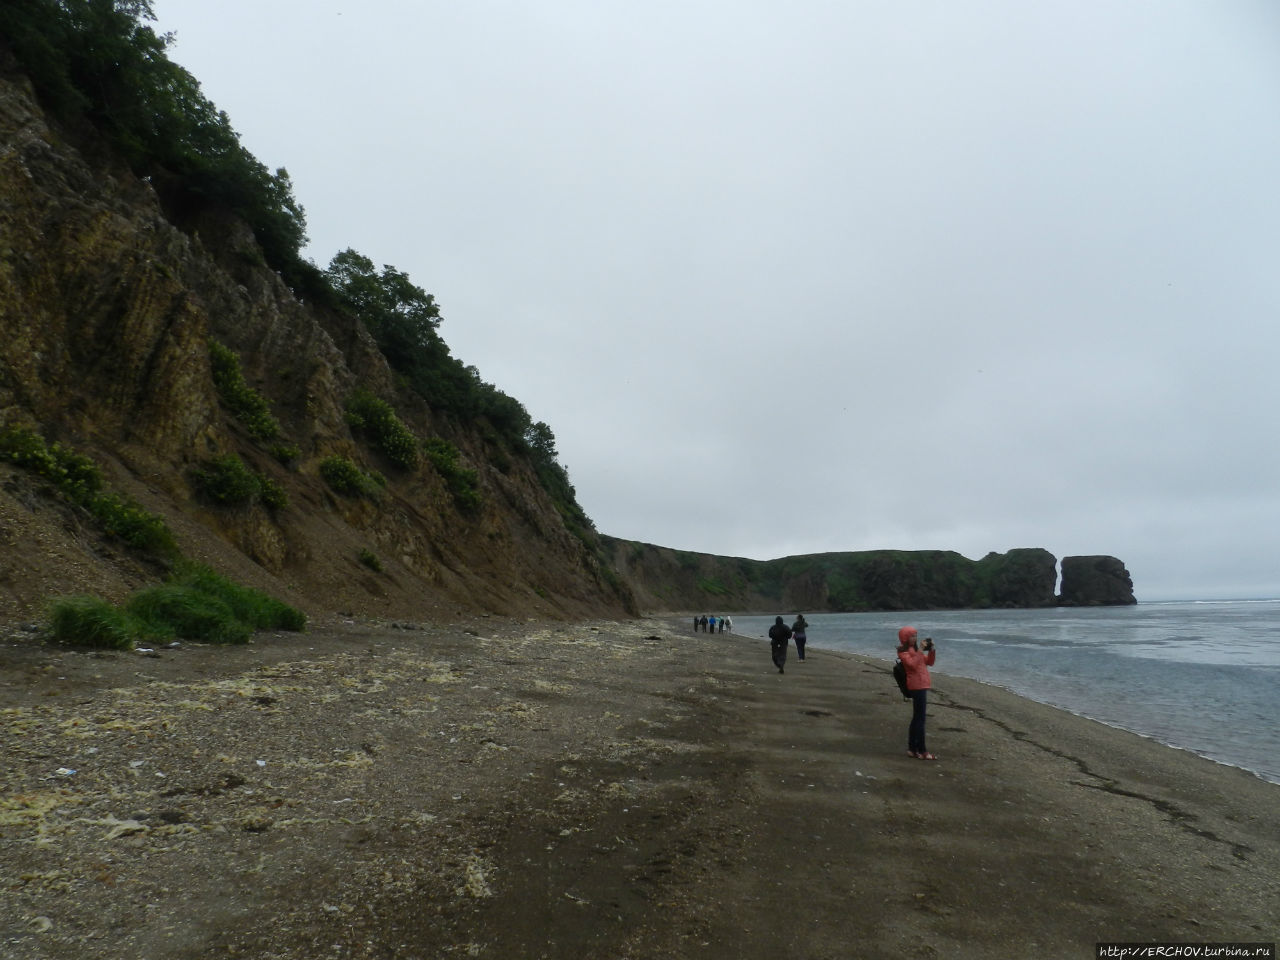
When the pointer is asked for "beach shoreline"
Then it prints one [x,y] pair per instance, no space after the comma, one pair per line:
[1196,681]
[500,788]
[943,675]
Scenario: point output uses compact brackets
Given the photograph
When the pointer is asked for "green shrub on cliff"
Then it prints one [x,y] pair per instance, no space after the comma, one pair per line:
[228,482]
[404,319]
[246,404]
[131,523]
[375,418]
[461,482]
[78,480]
[346,478]
[286,453]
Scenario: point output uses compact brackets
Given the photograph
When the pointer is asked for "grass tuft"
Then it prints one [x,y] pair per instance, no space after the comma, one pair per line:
[92,622]
[261,611]
[195,604]
[189,613]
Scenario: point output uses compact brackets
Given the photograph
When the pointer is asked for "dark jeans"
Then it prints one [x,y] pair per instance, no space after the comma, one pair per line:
[915,733]
[799,638]
[779,651]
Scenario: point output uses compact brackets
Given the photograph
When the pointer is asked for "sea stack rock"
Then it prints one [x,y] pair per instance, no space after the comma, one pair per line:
[1095,582]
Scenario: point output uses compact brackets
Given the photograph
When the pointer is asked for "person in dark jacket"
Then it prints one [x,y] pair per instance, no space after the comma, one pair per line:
[779,634]
[917,663]
[797,634]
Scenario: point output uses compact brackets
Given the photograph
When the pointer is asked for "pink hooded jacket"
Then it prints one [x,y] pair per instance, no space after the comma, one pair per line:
[917,663]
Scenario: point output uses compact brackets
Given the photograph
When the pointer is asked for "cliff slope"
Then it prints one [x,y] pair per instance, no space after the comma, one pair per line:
[107,316]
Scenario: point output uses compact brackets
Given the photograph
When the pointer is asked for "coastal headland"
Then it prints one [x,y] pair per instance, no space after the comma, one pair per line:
[517,789]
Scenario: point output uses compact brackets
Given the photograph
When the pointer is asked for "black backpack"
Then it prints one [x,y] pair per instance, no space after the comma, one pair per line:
[900,674]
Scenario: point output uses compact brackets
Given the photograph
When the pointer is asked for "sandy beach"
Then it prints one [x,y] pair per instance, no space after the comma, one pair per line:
[505,789]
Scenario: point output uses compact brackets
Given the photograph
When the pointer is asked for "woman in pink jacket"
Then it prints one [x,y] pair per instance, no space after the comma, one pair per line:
[917,664]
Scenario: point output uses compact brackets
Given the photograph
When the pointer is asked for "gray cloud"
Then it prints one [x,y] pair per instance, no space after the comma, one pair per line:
[814,276]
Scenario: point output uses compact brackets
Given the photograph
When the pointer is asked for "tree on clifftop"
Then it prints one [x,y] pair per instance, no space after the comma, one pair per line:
[97,66]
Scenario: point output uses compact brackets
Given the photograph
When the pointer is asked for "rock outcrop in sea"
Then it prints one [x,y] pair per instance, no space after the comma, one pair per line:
[1095,581]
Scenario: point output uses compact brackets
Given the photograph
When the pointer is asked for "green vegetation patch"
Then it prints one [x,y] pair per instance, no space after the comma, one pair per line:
[196,603]
[226,481]
[246,404]
[260,610]
[404,320]
[78,480]
[688,561]
[462,483]
[171,610]
[93,622]
[346,478]
[286,453]
[376,419]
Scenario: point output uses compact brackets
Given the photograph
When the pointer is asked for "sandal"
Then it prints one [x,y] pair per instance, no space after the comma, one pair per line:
[924,756]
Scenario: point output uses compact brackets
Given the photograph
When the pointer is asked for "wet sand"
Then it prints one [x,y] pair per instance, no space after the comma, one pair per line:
[508,790]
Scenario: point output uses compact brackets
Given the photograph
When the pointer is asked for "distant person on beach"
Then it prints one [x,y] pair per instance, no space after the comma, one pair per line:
[728,622]
[918,683]
[695,624]
[711,624]
[797,634]
[779,634]
[703,622]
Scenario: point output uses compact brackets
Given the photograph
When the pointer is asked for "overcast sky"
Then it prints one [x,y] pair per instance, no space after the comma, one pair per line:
[824,275]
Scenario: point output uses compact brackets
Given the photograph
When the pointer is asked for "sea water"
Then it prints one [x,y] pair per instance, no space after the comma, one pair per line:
[1201,676]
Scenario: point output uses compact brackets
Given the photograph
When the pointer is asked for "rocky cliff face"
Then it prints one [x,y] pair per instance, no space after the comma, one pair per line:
[1095,581]
[664,580]
[106,314]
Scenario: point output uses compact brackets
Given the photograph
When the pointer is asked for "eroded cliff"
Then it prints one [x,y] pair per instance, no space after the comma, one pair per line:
[107,315]
[667,579]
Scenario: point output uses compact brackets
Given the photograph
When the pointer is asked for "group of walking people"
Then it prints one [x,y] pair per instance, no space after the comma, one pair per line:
[712,624]
[916,658]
